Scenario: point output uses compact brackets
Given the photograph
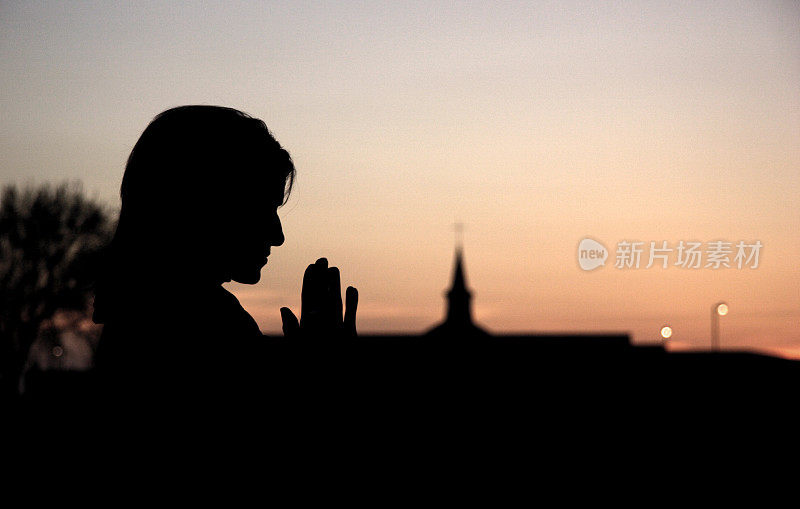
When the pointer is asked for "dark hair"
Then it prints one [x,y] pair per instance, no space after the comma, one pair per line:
[184,182]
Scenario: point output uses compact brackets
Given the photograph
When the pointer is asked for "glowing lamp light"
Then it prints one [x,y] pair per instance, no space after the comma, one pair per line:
[719,309]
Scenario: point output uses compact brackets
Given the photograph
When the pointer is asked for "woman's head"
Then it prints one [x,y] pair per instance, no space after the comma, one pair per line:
[200,195]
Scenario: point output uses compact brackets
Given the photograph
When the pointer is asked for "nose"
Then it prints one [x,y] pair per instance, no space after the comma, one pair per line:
[276,233]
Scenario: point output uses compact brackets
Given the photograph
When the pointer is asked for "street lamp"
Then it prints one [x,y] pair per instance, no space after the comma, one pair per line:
[666,333]
[719,309]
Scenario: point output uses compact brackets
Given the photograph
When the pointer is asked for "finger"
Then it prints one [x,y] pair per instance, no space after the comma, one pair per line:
[291,327]
[308,282]
[313,293]
[335,294]
[319,282]
[351,306]
[307,294]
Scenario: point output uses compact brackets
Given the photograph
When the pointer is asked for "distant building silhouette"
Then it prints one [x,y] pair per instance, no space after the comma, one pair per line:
[458,322]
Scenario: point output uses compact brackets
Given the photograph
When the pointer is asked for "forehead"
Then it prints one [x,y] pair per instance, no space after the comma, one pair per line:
[259,176]
[261,193]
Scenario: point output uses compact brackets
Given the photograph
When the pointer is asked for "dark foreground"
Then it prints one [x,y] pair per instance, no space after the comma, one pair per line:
[421,376]
[412,411]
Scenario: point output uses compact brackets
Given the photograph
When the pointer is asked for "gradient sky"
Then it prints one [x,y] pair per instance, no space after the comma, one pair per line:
[534,123]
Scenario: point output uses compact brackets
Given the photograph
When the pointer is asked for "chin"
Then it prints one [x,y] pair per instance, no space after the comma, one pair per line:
[249,277]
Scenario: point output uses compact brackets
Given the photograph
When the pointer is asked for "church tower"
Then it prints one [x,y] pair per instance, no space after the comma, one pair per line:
[458,322]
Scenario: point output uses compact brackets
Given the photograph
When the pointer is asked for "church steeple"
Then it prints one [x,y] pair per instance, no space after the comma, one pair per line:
[458,324]
[459,298]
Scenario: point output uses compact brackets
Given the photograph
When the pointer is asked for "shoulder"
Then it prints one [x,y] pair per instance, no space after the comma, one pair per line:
[176,325]
[238,319]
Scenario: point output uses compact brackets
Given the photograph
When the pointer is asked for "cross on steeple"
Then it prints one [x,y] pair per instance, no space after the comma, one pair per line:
[458,228]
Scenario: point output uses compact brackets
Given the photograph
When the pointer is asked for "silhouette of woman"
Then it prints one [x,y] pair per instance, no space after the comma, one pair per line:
[200,196]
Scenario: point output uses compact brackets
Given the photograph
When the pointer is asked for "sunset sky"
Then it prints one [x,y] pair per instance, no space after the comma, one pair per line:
[536,124]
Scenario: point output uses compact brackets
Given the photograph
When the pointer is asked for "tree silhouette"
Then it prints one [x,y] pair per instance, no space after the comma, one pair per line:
[50,241]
